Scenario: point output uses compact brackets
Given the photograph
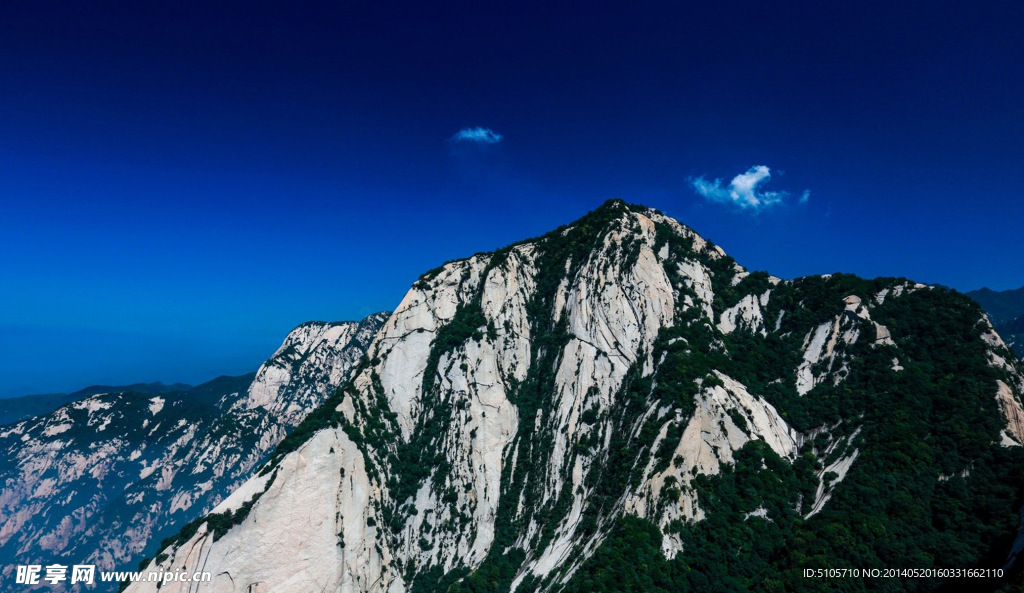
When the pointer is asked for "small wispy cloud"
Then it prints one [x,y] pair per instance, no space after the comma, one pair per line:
[745,190]
[482,135]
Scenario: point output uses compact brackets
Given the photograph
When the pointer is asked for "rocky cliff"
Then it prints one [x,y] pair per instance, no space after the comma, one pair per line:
[102,479]
[618,405]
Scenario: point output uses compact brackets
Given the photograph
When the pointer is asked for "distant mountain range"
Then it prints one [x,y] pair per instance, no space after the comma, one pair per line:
[1006,310]
[1001,305]
[101,479]
[13,409]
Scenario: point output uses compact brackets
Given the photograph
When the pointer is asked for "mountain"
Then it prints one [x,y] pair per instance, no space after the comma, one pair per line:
[1006,310]
[18,408]
[1001,305]
[102,479]
[619,406]
[1013,332]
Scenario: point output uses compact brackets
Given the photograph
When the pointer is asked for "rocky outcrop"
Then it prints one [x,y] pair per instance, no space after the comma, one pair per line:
[746,313]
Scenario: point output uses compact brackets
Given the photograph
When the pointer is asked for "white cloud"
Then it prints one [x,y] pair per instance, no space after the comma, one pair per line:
[745,190]
[484,135]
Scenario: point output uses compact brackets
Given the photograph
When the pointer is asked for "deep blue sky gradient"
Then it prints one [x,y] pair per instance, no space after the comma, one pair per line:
[182,184]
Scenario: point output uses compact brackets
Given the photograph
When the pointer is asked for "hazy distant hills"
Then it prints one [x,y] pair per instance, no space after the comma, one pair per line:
[1013,334]
[18,408]
[1001,305]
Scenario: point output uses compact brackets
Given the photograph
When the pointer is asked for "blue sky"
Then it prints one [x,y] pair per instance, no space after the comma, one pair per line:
[181,185]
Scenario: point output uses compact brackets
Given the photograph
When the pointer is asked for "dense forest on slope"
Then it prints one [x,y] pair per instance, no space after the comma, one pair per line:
[930,489]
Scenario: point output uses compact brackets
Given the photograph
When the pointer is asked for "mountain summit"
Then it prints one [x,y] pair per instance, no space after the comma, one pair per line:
[618,405]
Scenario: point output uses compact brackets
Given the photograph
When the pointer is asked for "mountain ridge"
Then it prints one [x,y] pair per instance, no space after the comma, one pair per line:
[21,407]
[101,480]
[1001,305]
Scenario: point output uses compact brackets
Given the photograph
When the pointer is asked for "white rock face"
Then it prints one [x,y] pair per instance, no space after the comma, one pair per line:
[291,514]
[700,282]
[882,336]
[745,314]
[820,346]
[835,472]
[312,358]
[1013,413]
[614,313]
